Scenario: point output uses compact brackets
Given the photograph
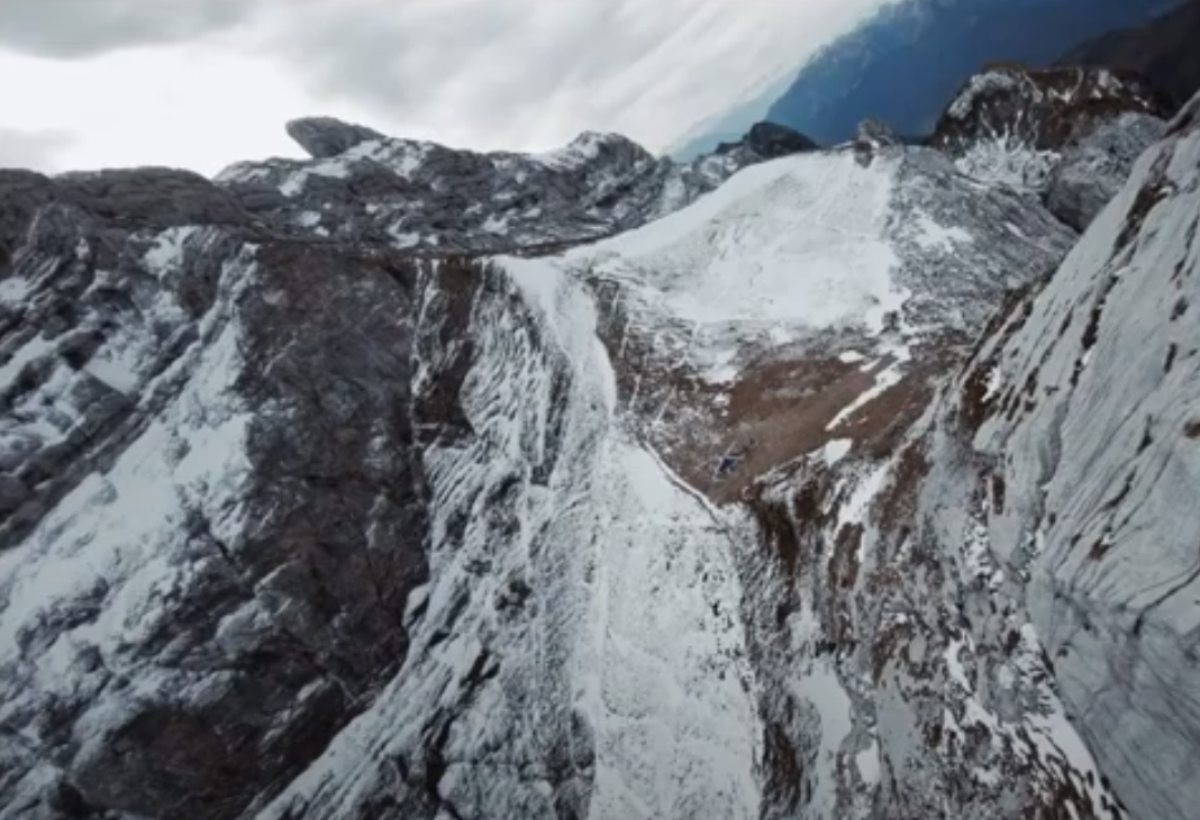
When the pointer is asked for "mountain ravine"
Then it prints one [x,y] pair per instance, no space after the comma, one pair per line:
[413,483]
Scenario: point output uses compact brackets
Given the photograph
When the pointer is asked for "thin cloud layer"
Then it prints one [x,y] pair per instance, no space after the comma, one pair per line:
[38,150]
[85,28]
[519,72]
[487,74]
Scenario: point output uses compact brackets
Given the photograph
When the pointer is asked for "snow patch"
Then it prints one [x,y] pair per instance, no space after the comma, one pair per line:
[933,236]
[835,450]
[166,255]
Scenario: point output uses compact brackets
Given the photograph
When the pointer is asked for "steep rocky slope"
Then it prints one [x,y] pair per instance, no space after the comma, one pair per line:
[758,509]
[1069,135]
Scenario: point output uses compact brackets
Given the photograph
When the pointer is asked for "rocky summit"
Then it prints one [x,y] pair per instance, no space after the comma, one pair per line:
[413,483]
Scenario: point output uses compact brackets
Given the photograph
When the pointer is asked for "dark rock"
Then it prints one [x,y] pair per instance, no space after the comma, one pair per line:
[427,197]
[770,140]
[324,137]
[1094,169]
[13,493]
[150,197]
[1042,109]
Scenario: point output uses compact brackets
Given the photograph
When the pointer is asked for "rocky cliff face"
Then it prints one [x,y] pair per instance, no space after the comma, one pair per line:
[1069,135]
[806,495]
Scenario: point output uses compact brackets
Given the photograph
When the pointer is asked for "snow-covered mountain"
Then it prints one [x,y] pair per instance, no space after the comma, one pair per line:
[405,482]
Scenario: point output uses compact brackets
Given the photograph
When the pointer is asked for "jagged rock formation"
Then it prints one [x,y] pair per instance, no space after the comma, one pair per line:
[201,466]
[1073,429]
[1010,124]
[1066,135]
[407,194]
[1044,109]
[312,507]
[326,137]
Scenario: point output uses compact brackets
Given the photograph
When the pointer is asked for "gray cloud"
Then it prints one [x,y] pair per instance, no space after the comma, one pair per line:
[32,149]
[85,28]
[517,74]
[510,71]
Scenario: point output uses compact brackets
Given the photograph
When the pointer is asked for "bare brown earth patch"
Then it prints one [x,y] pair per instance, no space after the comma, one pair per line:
[720,438]
[776,409]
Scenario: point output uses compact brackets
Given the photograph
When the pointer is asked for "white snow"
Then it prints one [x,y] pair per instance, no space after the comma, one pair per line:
[931,235]
[167,252]
[887,378]
[981,83]
[108,367]
[581,150]
[670,705]
[995,383]
[1007,160]
[867,762]
[866,487]
[496,224]
[335,168]
[31,351]
[121,531]
[799,240]
[821,688]
[14,290]
[835,450]
[404,239]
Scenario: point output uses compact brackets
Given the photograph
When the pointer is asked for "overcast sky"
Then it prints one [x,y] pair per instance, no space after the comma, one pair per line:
[203,83]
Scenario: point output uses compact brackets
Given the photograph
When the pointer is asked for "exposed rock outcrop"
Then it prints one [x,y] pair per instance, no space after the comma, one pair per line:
[1093,169]
[326,137]
[1011,124]
[213,440]
[421,196]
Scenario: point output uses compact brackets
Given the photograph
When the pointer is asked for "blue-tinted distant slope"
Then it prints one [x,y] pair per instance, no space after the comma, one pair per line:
[1165,51]
[904,64]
